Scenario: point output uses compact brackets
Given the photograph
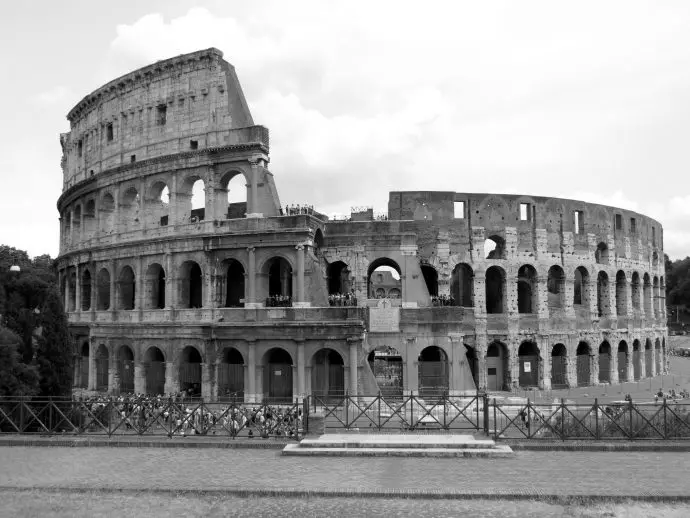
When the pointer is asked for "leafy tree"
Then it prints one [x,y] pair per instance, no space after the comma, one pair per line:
[16,378]
[54,354]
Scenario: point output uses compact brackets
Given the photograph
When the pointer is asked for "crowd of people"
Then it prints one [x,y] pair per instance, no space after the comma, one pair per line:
[340,299]
[180,415]
[278,301]
[294,210]
[672,394]
[442,300]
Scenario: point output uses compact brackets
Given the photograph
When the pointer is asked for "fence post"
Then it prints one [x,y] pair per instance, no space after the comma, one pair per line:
[379,402]
[485,402]
[495,427]
[529,420]
[563,419]
[596,418]
[347,410]
[445,410]
[630,414]
[665,425]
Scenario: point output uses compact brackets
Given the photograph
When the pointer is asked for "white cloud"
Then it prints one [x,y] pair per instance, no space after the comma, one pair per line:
[54,95]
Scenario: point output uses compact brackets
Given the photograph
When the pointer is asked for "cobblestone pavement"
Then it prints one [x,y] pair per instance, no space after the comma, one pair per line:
[529,473]
[68,505]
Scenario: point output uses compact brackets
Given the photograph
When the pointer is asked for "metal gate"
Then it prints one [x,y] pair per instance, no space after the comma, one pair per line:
[529,371]
[648,362]
[559,370]
[102,374]
[328,381]
[584,362]
[604,367]
[190,378]
[125,369]
[231,381]
[280,382]
[155,378]
[389,375]
[433,379]
[622,366]
[637,367]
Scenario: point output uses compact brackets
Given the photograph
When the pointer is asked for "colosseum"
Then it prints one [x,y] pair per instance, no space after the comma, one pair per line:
[182,270]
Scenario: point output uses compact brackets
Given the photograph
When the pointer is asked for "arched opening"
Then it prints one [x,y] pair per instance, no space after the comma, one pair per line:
[126,285]
[154,371]
[279,274]
[387,367]
[559,366]
[497,367]
[102,366]
[103,290]
[473,364]
[106,214]
[655,259]
[190,371]
[125,369]
[657,356]
[622,361]
[584,363]
[656,297]
[647,295]
[89,219]
[556,288]
[528,358]
[648,358]
[601,256]
[129,209]
[462,286]
[328,375]
[431,279]
[495,290]
[318,242]
[72,280]
[604,362]
[636,291]
[86,290]
[155,287]
[433,370]
[234,292]
[191,285]
[603,301]
[581,288]
[198,201]
[338,278]
[394,293]
[527,289]
[231,376]
[637,360]
[235,194]
[67,227]
[383,276]
[278,375]
[83,370]
[158,204]
[621,294]
[76,225]
[494,248]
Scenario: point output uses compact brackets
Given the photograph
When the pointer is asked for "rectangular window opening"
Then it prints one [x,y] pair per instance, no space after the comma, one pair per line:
[633,226]
[80,147]
[164,221]
[133,158]
[654,236]
[525,212]
[619,222]
[161,113]
[459,210]
[194,144]
[109,132]
[579,220]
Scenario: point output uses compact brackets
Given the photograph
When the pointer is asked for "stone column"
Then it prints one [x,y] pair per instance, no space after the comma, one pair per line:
[77,289]
[542,296]
[354,345]
[139,378]
[511,293]
[116,211]
[629,367]
[300,302]
[169,284]
[94,289]
[300,368]
[252,396]
[207,375]
[172,200]
[142,205]
[251,301]
[545,366]
[92,365]
[71,227]
[113,291]
[481,347]
[81,225]
[479,287]
[613,364]
[568,307]
[411,368]
[253,210]
[653,362]
[209,281]
[66,301]
[172,384]
[594,367]
[140,286]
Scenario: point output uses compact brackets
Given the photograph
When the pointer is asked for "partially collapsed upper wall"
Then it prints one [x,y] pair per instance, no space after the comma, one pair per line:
[188,102]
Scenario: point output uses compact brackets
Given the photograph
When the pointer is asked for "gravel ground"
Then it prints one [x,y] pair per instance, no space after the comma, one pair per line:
[531,473]
[64,504]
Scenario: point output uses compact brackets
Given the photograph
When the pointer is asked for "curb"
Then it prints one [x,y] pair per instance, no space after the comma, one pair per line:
[375,493]
[163,443]
[599,447]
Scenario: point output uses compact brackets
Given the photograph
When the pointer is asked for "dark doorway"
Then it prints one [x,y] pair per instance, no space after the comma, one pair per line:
[190,372]
[559,366]
[433,372]
[528,356]
[386,364]
[154,371]
[234,297]
[278,376]
[328,375]
[231,376]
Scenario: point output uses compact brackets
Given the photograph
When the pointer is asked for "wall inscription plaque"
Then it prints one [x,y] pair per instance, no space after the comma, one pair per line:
[384,318]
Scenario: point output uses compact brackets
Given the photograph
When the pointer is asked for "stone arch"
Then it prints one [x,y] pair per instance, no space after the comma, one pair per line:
[125,368]
[234,285]
[621,294]
[89,218]
[529,364]
[384,278]
[191,199]
[637,360]
[234,194]
[76,223]
[647,295]
[191,282]
[603,296]
[462,286]
[584,364]
[129,208]
[559,366]
[430,279]
[154,287]
[497,366]
[338,275]
[601,255]
[327,374]
[387,366]
[102,367]
[106,213]
[158,204]
[581,288]
[657,356]
[86,289]
[495,287]
[231,375]
[494,247]
[277,275]
[433,372]
[656,297]
[154,371]
[189,368]
[556,288]
[648,358]
[605,362]
[277,378]
[318,242]
[636,291]
[473,363]
[622,360]
[527,289]
[103,290]
[126,288]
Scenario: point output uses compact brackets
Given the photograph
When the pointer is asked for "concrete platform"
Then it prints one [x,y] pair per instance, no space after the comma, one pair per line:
[397,445]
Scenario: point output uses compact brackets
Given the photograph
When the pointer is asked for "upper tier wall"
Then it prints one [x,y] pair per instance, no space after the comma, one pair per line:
[188,102]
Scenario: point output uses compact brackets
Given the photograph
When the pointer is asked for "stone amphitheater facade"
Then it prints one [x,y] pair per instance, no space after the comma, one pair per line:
[239,299]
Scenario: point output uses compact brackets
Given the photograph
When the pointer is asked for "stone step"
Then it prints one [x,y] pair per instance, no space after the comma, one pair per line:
[316,443]
[496,451]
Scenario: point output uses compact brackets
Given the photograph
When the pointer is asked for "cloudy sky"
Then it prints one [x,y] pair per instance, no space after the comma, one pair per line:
[584,100]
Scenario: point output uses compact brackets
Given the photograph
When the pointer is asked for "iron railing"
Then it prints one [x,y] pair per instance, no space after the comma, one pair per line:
[153,417]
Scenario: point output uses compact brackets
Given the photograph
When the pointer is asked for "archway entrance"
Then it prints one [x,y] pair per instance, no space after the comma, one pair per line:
[384,279]
[497,368]
[190,371]
[584,360]
[648,360]
[559,366]
[657,356]
[83,370]
[102,366]
[125,368]
[234,296]
[127,288]
[191,295]
[433,372]
[527,289]
[637,360]
[154,371]
[473,362]
[430,279]
[495,289]
[338,278]
[278,375]
[328,375]
[604,362]
[528,358]
[622,361]
[462,286]
[279,282]
[386,364]
[155,287]
[231,376]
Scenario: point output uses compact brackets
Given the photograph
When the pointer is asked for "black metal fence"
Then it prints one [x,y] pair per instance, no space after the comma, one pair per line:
[153,417]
